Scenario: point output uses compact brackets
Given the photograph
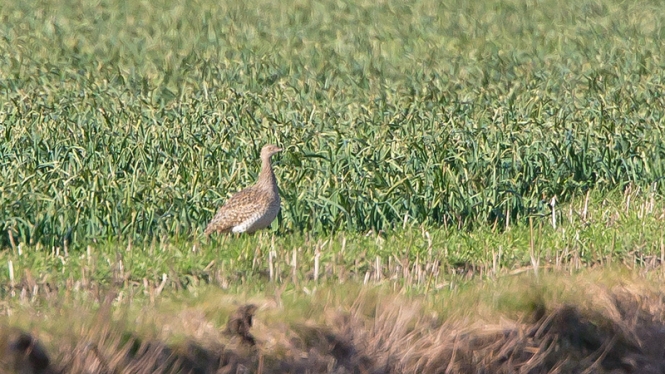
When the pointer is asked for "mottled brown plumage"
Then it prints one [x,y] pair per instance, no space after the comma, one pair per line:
[253,208]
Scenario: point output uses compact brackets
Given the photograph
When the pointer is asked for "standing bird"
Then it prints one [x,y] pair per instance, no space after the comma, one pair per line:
[253,208]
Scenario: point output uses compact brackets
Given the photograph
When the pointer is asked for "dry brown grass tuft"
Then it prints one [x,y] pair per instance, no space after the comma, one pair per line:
[617,328]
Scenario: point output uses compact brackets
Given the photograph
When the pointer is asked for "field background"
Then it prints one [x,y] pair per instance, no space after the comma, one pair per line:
[126,120]
[424,142]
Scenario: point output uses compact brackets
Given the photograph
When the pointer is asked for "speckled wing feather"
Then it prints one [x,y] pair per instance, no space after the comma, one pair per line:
[237,209]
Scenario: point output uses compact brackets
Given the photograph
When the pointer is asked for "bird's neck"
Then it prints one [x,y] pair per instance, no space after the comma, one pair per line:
[267,176]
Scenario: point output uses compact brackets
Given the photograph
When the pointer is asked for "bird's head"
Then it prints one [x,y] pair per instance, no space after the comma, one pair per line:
[269,150]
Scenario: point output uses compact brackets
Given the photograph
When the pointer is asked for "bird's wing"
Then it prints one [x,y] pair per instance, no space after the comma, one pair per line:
[237,209]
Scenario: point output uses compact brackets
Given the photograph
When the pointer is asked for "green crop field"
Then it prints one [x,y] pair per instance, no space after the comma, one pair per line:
[424,143]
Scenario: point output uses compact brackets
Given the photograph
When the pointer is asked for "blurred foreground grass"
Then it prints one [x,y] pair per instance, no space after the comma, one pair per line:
[545,323]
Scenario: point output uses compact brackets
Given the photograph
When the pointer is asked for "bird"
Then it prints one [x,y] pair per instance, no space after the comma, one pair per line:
[253,208]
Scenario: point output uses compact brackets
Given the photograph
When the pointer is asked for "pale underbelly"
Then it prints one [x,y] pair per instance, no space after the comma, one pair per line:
[258,222]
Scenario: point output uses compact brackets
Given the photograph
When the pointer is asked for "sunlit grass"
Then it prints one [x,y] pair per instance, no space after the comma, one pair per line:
[133,121]
[617,230]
